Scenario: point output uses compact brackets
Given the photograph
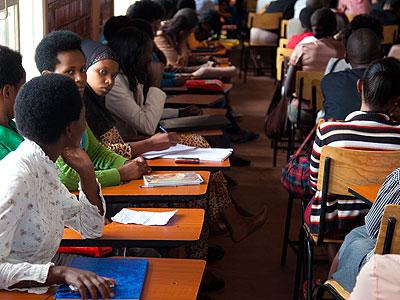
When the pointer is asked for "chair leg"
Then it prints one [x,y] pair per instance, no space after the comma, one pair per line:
[246,63]
[299,264]
[287,229]
[241,61]
[309,267]
[292,136]
[275,151]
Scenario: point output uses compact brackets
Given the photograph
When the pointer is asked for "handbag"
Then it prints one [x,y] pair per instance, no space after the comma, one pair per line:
[296,174]
[275,118]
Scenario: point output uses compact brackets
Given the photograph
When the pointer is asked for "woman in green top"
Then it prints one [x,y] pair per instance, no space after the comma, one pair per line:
[60,52]
[11,79]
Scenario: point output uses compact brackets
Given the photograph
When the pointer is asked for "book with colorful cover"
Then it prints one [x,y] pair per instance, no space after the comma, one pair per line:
[172,179]
[129,275]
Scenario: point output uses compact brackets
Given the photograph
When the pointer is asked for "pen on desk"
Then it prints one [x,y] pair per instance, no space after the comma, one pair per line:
[163,129]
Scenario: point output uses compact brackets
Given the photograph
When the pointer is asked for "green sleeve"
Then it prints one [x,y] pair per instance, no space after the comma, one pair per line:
[105,162]
[3,151]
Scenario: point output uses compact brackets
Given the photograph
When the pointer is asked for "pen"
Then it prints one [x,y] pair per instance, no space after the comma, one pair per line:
[163,129]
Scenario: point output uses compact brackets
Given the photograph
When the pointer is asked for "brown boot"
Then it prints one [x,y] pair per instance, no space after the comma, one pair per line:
[241,227]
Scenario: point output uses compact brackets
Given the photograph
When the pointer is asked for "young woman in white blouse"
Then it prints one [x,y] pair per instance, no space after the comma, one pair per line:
[34,205]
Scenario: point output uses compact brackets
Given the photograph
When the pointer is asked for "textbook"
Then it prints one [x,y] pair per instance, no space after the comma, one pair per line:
[172,179]
[129,275]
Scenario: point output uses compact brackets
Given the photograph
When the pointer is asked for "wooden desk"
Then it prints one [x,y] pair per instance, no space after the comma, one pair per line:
[134,192]
[214,111]
[166,279]
[169,164]
[194,99]
[176,90]
[184,227]
[219,52]
[210,132]
[367,193]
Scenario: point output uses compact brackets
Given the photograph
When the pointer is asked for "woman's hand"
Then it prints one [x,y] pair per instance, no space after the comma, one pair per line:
[134,169]
[155,72]
[78,160]
[161,141]
[83,281]
[191,110]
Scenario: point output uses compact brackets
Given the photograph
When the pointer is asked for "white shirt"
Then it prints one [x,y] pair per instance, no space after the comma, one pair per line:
[298,7]
[34,208]
[133,112]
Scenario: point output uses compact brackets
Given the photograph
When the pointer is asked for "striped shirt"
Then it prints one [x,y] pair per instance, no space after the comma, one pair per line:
[360,130]
[388,194]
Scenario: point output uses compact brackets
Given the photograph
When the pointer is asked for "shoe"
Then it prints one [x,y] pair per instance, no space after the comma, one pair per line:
[237,161]
[211,282]
[243,137]
[215,253]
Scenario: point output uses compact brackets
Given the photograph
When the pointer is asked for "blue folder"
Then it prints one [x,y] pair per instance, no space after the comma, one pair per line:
[128,273]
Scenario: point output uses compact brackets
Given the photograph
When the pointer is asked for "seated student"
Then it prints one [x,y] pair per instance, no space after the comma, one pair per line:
[172,38]
[209,26]
[305,19]
[149,11]
[133,110]
[313,56]
[389,14]
[60,52]
[339,89]
[354,7]
[294,25]
[12,77]
[360,21]
[102,68]
[34,204]
[378,279]
[186,4]
[359,244]
[370,128]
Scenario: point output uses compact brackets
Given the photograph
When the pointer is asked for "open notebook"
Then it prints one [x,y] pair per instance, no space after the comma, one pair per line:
[172,179]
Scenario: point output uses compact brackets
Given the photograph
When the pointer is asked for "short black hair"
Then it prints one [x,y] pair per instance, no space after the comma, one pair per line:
[146,9]
[362,21]
[305,17]
[169,7]
[381,84]
[323,22]
[11,70]
[142,25]
[52,44]
[363,47]
[114,24]
[186,4]
[45,106]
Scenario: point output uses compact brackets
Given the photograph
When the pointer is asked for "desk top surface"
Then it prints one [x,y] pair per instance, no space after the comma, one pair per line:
[135,188]
[183,89]
[366,193]
[167,279]
[195,99]
[185,225]
[167,163]
[209,132]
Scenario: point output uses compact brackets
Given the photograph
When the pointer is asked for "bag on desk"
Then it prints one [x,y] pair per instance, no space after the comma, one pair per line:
[210,85]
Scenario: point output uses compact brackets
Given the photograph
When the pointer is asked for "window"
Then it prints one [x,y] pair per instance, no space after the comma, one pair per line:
[9,23]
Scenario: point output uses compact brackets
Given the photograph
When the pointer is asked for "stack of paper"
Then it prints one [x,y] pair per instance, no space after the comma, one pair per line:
[178,148]
[129,216]
[172,179]
[210,154]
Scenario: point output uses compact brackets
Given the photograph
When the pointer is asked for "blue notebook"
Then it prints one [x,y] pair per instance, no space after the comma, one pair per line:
[128,273]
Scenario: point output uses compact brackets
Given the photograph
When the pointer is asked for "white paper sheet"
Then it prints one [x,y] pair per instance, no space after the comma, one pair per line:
[178,148]
[208,154]
[128,216]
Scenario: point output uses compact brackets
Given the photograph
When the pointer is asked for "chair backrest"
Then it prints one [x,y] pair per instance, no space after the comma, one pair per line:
[282,56]
[388,241]
[390,34]
[350,167]
[284,25]
[267,21]
[308,86]
[283,43]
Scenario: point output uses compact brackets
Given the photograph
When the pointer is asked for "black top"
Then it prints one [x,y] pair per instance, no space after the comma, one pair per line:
[387,17]
[284,6]
[340,93]
[98,117]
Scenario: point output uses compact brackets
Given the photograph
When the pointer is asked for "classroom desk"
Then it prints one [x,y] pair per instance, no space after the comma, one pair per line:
[184,228]
[367,193]
[194,99]
[166,278]
[214,111]
[219,52]
[176,90]
[169,164]
[209,132]
[134,192]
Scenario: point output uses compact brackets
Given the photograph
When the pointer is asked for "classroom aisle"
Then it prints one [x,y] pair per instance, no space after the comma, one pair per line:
[252,268]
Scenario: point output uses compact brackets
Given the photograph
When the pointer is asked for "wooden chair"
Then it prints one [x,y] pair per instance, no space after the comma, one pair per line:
[284,25]
[388,242]
[390,34]
[308,88]
[339,169]
[266,21]
[282,57]
[283,42]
